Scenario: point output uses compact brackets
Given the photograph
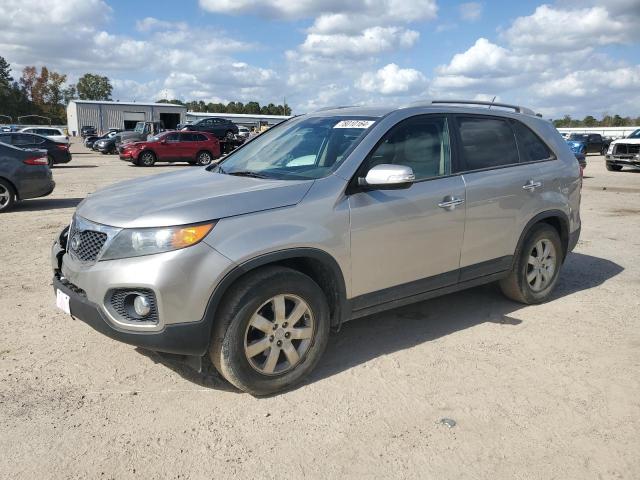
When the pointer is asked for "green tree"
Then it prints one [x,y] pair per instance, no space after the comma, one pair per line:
[5,76]
[589,121]
[252,107]
[94,87]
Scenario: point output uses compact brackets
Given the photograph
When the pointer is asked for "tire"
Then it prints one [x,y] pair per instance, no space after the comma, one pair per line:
[527,282]
[50,161]
[234,333]
[613,168]
[229,135]
[7,196]
[146,159]
[203,158]
[603,151]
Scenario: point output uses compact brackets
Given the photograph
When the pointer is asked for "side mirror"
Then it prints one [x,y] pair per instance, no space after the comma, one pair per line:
[387,176]
[163,141]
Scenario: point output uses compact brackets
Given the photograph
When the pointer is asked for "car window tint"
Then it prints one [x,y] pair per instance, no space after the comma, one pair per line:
[188,137]
[421,143]
[200,138]
[172,137]
[24,139]
[531,148]
[6,138]
[487,142]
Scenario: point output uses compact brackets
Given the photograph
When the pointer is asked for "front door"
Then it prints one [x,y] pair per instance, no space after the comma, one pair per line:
[408,241]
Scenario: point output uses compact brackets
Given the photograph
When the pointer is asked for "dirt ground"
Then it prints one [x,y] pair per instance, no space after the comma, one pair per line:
[540,392]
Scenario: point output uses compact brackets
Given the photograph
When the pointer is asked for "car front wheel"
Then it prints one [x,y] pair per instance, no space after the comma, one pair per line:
[272,329]
[147,159]
[536,268]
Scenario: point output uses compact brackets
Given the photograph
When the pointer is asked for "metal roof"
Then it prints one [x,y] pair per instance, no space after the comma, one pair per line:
[139,104]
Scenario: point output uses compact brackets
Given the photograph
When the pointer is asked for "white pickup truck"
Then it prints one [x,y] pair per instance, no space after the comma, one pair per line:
[624,152]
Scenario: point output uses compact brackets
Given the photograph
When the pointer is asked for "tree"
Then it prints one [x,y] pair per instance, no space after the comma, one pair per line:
[94,87]
[5,76]
[589,121]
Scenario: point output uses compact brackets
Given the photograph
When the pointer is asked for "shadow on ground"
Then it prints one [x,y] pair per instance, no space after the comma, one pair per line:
[47,204]
[366,338]
[65,166]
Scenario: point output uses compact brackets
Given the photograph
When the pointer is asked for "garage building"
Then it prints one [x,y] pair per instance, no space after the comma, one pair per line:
[123,115]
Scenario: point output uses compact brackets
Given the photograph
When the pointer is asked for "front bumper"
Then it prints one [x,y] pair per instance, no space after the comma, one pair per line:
[631,162]
[182,282]
[183,339]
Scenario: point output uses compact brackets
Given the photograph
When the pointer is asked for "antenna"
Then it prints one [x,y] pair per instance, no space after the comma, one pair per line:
[492,100]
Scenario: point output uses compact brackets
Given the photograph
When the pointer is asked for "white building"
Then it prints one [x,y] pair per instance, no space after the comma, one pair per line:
[124,115]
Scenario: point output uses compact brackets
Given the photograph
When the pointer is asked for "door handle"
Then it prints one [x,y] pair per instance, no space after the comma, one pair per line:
[450,202]
[531,185]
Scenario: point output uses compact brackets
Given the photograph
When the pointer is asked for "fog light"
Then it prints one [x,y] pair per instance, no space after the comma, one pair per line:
[142,306]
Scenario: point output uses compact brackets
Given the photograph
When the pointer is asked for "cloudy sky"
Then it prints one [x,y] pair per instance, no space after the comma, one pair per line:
[573,57]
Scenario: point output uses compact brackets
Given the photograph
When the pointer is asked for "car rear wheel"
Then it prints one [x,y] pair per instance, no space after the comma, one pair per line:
[229,135]
[614,168]
[272,329]
[146,159]
[7,196]
[536,267]
[203,158]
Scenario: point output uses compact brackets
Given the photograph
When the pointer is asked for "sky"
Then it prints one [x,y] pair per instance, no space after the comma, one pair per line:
[576,57]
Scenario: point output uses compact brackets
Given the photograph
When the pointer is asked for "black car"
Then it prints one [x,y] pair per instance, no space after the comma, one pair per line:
[106,145]
[220,127]
[57,152]
[87,130]
[24,174]
[90,140]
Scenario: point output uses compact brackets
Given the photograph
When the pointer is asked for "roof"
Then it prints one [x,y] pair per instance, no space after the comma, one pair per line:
[141,104]
[381,111]
[237,115]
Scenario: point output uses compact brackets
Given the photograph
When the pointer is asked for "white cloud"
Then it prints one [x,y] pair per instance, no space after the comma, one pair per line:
[552,29]
[370,41]
[470,11]
[392,80]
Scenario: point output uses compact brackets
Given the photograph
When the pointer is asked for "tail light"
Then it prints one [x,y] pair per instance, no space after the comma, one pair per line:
[63,146]
[36,161]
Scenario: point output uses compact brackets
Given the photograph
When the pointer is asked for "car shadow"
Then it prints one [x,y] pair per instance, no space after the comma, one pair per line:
[364,339]
[64,167]
[46,204]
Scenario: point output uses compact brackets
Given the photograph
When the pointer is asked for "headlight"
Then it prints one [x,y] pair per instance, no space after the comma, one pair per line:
[610,150]
[146,241]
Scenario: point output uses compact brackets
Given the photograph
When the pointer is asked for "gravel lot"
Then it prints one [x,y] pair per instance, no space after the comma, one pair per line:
[540,392]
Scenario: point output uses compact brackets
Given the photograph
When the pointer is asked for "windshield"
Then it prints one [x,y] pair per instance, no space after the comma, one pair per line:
[139,127]
[302,148]
[635,134]
[578,136]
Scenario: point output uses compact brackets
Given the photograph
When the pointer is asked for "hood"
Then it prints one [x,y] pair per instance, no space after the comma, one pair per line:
[190,196]
[127,135]
[576,145]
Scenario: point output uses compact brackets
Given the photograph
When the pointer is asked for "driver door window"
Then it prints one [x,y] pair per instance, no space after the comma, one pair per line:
[421,143]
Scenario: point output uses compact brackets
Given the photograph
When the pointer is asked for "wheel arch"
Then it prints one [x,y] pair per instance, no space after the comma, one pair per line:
[317,264]
[555,218]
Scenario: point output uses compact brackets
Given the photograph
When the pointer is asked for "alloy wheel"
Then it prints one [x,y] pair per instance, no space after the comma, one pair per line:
[279,334]
[5,197]
[541,265]
[204,158]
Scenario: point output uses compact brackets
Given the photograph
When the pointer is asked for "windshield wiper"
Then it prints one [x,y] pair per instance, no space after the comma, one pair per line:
[247,173]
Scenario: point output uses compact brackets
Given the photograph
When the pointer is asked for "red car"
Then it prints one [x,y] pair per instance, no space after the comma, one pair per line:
[197,148]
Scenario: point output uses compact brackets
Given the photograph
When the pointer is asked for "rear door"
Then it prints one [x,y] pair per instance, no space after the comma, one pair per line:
[501,192]
[188,145]
[169,150]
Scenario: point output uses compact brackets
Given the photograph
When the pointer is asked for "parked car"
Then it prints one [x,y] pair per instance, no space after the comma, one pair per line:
[197,148]
[57,152]
[142,131]
[87,130]
[326,217]
[243,132]
[220,127]
[624,152]
[593,142]
[53,133]
[106,145]
[91,139]
[24,174]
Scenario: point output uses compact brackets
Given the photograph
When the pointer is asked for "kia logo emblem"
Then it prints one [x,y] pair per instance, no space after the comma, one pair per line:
[75,242]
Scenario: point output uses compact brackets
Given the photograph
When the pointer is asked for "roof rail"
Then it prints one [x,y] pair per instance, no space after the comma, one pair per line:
[516,108]
[336,107]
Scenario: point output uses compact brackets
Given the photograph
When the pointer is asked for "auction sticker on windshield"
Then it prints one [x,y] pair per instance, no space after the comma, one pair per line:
[62,302]
[354,124]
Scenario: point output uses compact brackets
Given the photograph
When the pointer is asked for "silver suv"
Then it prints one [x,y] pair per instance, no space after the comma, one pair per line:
[324,218]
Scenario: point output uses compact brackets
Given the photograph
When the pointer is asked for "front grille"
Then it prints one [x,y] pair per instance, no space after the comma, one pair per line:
[120,302]
[626,149]
[86,245]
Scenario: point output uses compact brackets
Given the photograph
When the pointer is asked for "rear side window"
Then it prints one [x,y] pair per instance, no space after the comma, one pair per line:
[24,139]
[487,143]
[199,137]
[531,148]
